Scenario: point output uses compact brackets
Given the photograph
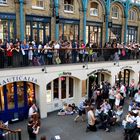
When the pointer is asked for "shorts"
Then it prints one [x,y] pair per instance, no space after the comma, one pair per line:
[81,112]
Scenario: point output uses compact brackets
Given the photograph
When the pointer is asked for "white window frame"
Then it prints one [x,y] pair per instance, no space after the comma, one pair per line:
[132,15]
[2,2]
[115,12]
[37,6]
[93,12]
[67,7]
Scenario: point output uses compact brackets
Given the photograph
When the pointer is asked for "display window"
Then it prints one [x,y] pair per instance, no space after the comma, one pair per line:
[60,88]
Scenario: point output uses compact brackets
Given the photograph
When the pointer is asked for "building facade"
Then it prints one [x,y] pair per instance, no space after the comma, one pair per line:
[89,20]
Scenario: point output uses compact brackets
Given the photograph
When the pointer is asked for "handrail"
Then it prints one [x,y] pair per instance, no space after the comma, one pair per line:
[69,7]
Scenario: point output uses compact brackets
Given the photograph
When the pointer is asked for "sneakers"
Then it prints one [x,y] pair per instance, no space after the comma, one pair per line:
[106,130]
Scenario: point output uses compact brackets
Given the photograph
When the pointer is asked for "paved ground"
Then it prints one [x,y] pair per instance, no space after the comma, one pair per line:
[68,129]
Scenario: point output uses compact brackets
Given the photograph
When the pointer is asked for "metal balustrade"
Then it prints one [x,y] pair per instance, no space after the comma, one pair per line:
[66,56]
[9,134]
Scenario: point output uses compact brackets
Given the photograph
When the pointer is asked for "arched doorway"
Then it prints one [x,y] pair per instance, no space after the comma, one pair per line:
[96,77]
[15,100]
[124,76]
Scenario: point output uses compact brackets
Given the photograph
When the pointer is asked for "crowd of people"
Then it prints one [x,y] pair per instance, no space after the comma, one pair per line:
[105,108]
[16,54]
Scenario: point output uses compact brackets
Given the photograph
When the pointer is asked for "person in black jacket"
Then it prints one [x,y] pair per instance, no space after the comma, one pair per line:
[33,129]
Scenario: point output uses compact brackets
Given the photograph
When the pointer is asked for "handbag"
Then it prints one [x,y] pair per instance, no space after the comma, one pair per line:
[130,126]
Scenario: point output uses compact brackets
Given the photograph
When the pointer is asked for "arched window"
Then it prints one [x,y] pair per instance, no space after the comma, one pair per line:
[132,15]
[94,9]
[69,6]
[115,12]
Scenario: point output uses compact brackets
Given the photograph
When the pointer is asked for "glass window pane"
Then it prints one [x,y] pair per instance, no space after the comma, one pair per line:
[60,31]
[47,28]
[63,87]
[87,33]
[1,99]
[3,30]
[70,87]
[28,31]
[76,32]
[10,96]
[12,30]
[41,36]
[20,94]
[55,88]
[30,93]
[84,88]
[49,93]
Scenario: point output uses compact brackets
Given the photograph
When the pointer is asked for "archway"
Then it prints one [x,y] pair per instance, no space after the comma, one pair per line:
[15,100]
[96,77]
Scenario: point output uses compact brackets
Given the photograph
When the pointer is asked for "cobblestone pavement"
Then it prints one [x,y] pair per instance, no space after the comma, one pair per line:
[68,129]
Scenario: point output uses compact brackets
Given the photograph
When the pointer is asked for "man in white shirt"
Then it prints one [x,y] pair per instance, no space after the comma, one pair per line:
[32,110]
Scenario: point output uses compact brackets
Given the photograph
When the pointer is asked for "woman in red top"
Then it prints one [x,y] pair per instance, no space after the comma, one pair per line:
[9,53]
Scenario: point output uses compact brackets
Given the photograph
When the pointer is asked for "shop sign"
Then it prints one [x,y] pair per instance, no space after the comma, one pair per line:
[126,67]
[99,70]
[17,79]
[65,74]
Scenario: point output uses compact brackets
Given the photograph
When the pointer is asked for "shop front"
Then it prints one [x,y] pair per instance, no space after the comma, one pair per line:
[16,96]
[7,26]
[94,33]
[115,33]
[132,33]
[68,29]
[96,78]
[38,28]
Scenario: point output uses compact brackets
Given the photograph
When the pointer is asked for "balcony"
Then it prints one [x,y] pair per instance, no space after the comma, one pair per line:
[40,57]
[68,8]
[3,2]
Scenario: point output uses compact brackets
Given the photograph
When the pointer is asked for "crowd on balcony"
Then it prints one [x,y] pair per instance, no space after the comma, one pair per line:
[17,54]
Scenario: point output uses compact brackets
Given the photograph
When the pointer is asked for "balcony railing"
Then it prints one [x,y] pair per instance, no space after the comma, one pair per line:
[9,134]
[35,57]
[68,8]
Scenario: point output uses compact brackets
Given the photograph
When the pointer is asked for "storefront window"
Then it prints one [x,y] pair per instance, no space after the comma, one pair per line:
[28,31]
[63,87]
[49,93]
[115,34]
[1,99]
[40,31]
[20,94]
[10,96]
[30,93]
[55,88]
[70,87]
[93,35]
[84,88]
[4,29]
[132,34]
[12,30]
[68,32]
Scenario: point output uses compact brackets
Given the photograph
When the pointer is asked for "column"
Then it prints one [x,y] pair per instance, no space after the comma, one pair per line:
[84,4]
[21,2]
[56,4]
[107,19]
[126,20]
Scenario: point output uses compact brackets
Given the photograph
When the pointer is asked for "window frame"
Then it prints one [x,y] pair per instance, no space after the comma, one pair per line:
[2,2]
[70,6]
[116,12]
[132,15]
[37,6]
[92,9]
